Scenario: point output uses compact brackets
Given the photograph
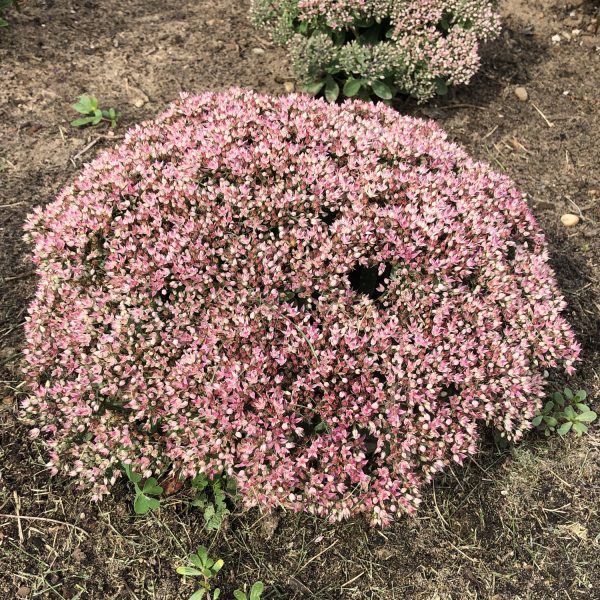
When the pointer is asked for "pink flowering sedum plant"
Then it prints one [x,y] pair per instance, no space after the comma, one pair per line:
[320,301]
[380,48]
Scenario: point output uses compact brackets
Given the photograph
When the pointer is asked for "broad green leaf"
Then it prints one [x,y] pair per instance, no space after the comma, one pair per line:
[195,560]
[581,395]
[564,428]
[314,87]
[257,590]
[239,595]
[97,117]
[382,90]
[568,392]
[537,420]
[144,504]
[332,89]
[218,566]
[151,487]
[582,407]
[441,86]
[587,417]
[550,421]
[216,594]
[82,121]
[579,428]
[202,552]
[352,87]
[548,407]
[570,412]
[86,104]
[189,571]
[198,594]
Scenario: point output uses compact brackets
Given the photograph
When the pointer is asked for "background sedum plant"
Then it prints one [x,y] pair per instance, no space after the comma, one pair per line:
[380,48]
[320,302]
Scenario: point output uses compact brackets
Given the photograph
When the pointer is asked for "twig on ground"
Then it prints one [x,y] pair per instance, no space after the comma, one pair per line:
[18,516]
[44,519]
[549,123]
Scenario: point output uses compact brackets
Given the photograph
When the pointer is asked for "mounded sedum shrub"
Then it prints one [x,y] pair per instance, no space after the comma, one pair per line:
[321,301]
[380,47]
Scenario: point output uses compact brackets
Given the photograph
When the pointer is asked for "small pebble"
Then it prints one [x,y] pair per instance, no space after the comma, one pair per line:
[556,39]
[139,102]
[289,86]
[258,51]
[521,94]
[569,220]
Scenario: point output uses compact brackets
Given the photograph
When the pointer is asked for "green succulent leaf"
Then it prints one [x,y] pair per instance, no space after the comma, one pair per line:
[313,87]
[580,428]
[332,89]
[587,417]
[256,591]
[189,571]
[441,86]
[548,407]
[564,428]
[239,595]
[198,594]
[352,87]
[537,420]
[382,90]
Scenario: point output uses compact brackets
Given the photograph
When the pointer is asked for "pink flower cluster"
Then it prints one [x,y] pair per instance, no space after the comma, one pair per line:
[321,301]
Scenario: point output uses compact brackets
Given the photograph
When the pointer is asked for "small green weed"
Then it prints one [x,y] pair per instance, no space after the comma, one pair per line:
[4,5]
[201,565]
[255,592]
[211,496]
[565,412]
[88,106]
[145,499]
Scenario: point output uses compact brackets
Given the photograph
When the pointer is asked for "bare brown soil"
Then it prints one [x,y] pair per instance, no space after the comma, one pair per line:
[519,523]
